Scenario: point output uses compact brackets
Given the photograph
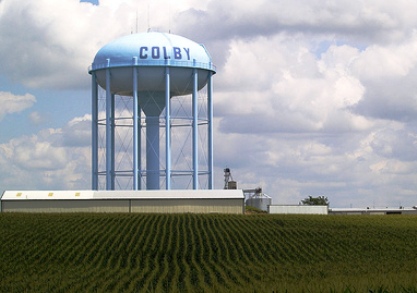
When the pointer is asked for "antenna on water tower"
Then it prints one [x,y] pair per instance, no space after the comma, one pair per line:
[149,25]
[169,17]
[136,24]
[136,21]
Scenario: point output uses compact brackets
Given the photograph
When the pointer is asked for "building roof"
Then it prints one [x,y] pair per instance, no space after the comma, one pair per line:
[371,210]
[121,194]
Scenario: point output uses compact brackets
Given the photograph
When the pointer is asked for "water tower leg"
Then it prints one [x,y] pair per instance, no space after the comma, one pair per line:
[167,130]
[94,132]
[136,131]
[113,142]
[210,130]
[195,129]
[110,174]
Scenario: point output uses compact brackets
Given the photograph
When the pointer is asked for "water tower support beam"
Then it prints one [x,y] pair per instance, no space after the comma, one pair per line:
[113,140]
[195,129]
[167,130]
[94,132]
[210,130]
[109,133]
[136,129]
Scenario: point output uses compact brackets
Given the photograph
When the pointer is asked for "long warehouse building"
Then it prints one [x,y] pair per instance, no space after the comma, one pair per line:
[143,201]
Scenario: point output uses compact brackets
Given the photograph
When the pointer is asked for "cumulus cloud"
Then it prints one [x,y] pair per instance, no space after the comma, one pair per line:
[50,44]
[277,86]
[327,123]
[42,161]
[78,132]
[11,103]
[389,75]
[360,168]
[372,20]
[36,118]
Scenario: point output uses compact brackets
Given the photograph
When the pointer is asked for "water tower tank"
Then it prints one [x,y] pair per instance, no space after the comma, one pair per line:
[151,68]
[152,52]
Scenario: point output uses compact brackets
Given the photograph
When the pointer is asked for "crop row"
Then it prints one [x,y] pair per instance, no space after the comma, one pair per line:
[204,253]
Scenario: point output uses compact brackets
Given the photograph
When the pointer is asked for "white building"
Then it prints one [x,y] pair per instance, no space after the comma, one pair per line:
[298,209]
[144,201]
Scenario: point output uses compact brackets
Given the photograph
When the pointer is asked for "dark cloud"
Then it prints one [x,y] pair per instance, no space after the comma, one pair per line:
[230,19]
[392,98]
[395,144]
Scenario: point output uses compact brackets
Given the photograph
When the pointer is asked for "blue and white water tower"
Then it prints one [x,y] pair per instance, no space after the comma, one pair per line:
[150,68]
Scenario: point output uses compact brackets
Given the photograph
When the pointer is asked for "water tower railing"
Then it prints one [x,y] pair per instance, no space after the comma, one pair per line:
[170,63]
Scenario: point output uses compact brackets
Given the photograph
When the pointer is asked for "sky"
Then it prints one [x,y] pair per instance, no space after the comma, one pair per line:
[310,97]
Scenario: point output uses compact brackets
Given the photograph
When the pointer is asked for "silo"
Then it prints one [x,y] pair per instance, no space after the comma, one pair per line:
[260,201]
[151,68]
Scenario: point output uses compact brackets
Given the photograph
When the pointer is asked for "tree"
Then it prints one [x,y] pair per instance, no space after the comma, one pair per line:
[315,201]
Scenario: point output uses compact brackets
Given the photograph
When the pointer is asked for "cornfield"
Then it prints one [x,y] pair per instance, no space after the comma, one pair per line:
[207,253]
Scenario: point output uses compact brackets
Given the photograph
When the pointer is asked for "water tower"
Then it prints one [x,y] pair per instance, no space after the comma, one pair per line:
[150,68]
